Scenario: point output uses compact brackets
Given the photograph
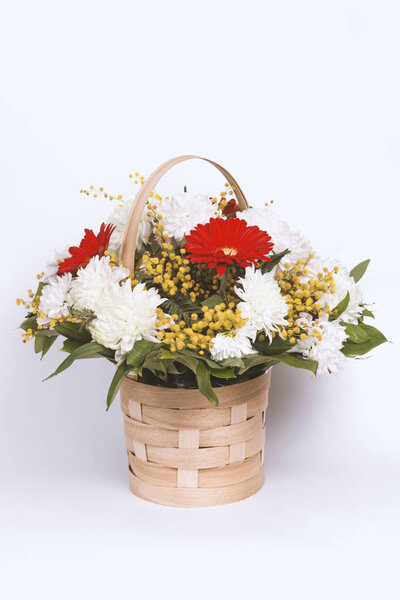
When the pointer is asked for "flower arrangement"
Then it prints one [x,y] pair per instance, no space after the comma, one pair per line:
[218,294]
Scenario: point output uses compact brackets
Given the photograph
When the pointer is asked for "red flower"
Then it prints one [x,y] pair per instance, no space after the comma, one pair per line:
[231,208]
[225,242]
[91,245]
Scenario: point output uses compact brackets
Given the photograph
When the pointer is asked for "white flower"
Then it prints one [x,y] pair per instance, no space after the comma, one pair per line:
[182,212]
[126,315]
[281,234]
[326,350]
[263,305]
[55,299]
[343,283]
[52,266]
[233,343]
[91,283]
[119,218]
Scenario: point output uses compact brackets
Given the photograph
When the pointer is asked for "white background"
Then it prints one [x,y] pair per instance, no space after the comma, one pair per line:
[300,101]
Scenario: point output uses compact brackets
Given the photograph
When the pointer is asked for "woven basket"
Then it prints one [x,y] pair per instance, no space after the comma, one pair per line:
[182,450]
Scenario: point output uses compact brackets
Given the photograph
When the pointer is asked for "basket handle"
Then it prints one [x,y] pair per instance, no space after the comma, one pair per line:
[135,215]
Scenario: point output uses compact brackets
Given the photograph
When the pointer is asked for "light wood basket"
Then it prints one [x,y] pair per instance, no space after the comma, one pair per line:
[182,450]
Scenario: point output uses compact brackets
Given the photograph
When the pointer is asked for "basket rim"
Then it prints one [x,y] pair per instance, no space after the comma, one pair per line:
[132,377]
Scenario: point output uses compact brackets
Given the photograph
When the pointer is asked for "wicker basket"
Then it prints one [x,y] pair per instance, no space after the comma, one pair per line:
[182,450]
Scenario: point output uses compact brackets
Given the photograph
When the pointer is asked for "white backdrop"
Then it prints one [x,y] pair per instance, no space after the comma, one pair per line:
[300,101]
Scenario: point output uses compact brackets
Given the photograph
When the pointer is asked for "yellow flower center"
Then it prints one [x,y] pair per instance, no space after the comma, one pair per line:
[229,251]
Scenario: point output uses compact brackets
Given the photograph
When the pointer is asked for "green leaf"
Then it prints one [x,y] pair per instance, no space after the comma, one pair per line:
[226,373]
[296,360]
[136,357]
[73,330]
[359,270]
[153,363]
[277,346]
[204,383]
[188,361]
[212,301]
[70,345]
[43,344]
[89,349]
[340,308]
[39,290]
[256,359]
[202,357]
[367,313]
[116,383]
[29,323]
[233,361]
[46,333]
[376,338]
[181,306]
[355,333]
[275,259]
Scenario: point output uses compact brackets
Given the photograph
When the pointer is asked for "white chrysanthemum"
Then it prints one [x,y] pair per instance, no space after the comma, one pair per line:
[52,266]
[126,315]
[235,343]
[91,283]
[326,351]
[55,299]
[263,305]
[182,212]
[344,283]
[119,218]
[281,234]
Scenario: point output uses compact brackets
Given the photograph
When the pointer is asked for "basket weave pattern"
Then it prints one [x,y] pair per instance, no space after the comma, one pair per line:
[183,451]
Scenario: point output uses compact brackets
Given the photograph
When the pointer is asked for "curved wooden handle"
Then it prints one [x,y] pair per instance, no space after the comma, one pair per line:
[135,215]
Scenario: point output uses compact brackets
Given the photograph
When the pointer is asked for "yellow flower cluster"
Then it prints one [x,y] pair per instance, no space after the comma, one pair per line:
[100,191]
[199,336]
[172,272]
[303,295]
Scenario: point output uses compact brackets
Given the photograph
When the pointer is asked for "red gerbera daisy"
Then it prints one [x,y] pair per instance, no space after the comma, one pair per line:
[225,242]
[91,245]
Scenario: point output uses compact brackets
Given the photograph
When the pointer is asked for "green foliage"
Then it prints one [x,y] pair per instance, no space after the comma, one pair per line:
[71,345]
[85,350]
[277,346]
[367,313]
[359,270]
[268,265]
[190,362]
[234,361]
[29,323]
[212,301]
[73,331]
[39,290]
[204,383]
[181,306]
[43,344]
[116,383]
[203,357]
[296,360]
[355,333]
[352,349]
[226,373]
[255,360]
[340,308]
[85,317]
[136,357]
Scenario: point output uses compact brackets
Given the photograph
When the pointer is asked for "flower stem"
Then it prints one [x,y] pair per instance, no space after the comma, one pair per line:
[222,285]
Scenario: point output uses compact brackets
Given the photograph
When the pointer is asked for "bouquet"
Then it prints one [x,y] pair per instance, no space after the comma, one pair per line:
[214,293]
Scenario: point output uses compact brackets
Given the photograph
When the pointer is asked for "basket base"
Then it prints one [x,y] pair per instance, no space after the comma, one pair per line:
[195,498]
